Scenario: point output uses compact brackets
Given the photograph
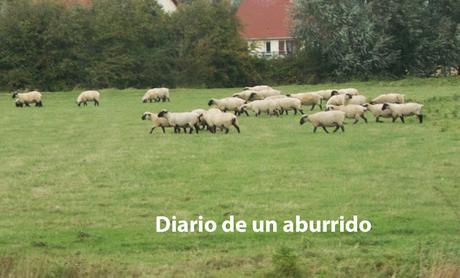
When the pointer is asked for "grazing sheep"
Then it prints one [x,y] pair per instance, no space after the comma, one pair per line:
[259,88]
[244,95]
[388,98]
[376,110]
[156,95]
[260,95]
[215,118]
[351,91]
[338,99]
[325,119]
[181,120]
[357,99]
[26,99]
[404,110]
[312,99]
[289,103]
[352,111]
[259,106]
[157,121]
[86,96]
[227,104]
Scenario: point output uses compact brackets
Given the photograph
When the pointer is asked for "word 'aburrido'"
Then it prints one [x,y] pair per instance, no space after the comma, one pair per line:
[165,224]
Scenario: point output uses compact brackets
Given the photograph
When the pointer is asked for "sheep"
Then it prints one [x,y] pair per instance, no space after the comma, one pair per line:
[200,112]
[260,95]
[389,98]
[227,104]
[351,91]
[325,94]
[289,103]
[86,96]
[352,111]
[376,110]
[215,118]
[157,95]
[259,88]
[325,119]
[181,120]
[26,99]
[244,95]
[356,99]
[157,121]
[404,110]
[276,97]
[312,99]
[259,106]
[338,99]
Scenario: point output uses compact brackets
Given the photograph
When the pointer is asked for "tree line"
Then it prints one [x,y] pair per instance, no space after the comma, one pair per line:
[48,45]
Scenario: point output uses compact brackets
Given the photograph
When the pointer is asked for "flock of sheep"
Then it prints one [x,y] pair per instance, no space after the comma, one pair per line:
[340,104]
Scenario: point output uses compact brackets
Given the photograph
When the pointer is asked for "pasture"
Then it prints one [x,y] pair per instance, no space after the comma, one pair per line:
[80,188]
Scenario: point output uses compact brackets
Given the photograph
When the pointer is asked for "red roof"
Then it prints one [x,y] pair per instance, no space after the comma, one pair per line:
[262,19]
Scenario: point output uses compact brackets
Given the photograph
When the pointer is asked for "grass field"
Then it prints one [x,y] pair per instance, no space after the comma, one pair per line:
[80,189]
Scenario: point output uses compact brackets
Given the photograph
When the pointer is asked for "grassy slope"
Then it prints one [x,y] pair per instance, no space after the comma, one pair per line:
[81,187]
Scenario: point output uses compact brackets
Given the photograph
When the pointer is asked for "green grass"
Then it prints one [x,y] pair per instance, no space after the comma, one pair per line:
[80,189]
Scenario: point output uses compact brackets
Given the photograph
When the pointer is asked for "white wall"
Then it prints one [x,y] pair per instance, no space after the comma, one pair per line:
[258,47]
[168,5]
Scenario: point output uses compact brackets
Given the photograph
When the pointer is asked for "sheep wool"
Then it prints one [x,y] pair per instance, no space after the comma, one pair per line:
[269,106]
[87,96]
[227,104]
[215,118]
[352,111]
[312,99]
[28,98]
[157,122]
[260,95]
[404,110]
[156,95]
[259,88]
[325,119]
[289,103]
[356,99]
[376,110]
[244,95]
[338,99]
[389,98]
[181,120]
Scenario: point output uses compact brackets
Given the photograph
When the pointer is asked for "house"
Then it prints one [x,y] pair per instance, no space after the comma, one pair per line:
[168,6]
[266,27]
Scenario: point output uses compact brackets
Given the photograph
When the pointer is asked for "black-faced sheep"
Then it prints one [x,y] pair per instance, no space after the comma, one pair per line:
[404,110]
[28,98]
[325,119]
[88,96]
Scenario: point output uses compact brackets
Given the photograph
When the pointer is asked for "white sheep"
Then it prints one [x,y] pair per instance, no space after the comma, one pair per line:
[259,88]
[325,94]
[157,121]
[276,97]
[352,111]
[260,95]
[156,95]
[244,95]
[389,98]
[376,110]
[215,118]
[87,96]
[312,99]
[28,98]
[338,99]
[351,91]
[181,120]
[259,106]
[404,110]
[227,104]
[325,119]
[356,99]
[289,103]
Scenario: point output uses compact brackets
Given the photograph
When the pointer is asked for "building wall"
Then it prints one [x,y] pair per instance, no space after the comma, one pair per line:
[258,47]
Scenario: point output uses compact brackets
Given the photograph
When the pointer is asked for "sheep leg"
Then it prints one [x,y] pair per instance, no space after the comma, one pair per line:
[96,103]
[295,111]
[150,100]
[320,107]
[153,128]
[402,119]
[378,120]
[356,121]
[394,119]
[314,129]
[185,129]
[343,128]
[364,118]
[420,118]
[214,129]
[226,129]
[301,111]
[236,127]
[27,104]
[163,128]
[324,128]
[246,112]
[196,128]
[168,99]
[312,107]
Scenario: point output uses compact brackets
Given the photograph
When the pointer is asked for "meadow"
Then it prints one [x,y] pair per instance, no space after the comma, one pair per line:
[80,188]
